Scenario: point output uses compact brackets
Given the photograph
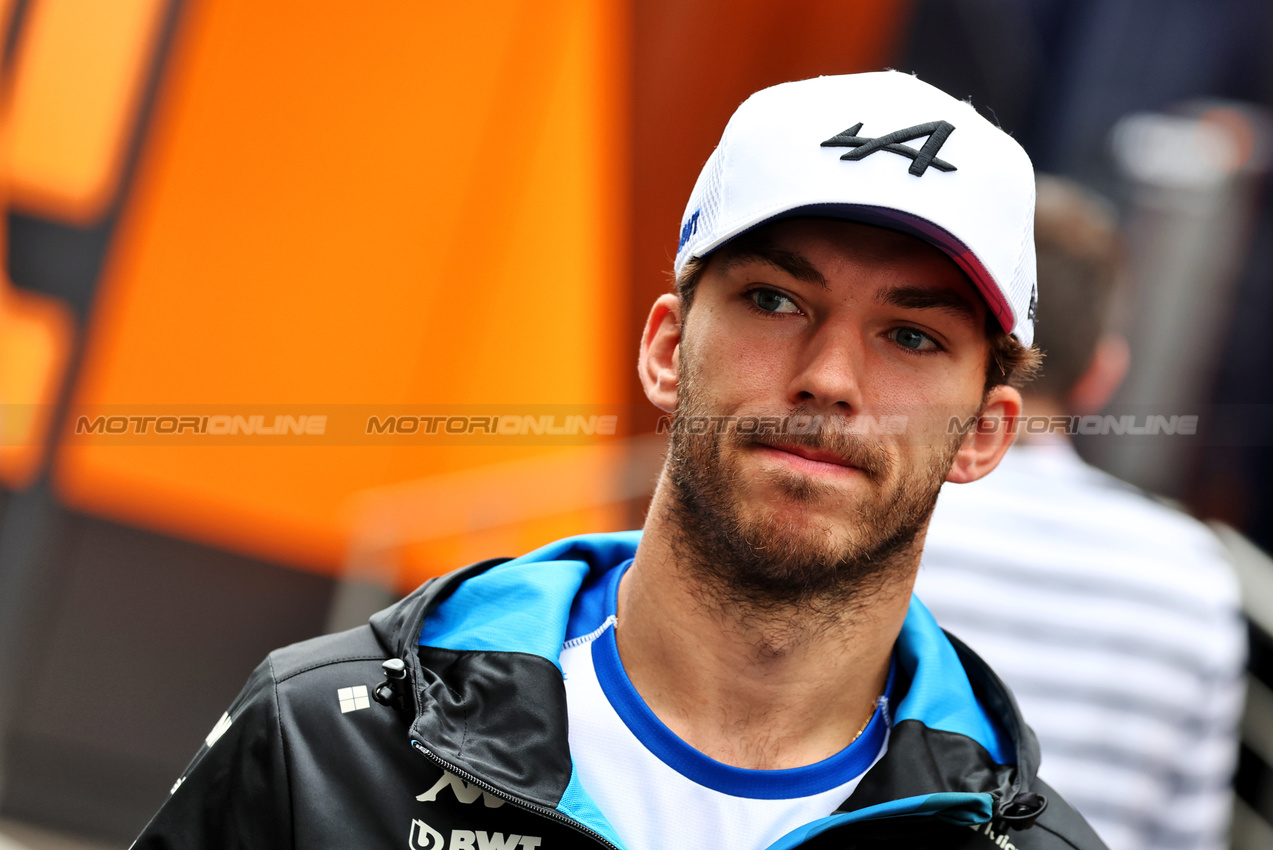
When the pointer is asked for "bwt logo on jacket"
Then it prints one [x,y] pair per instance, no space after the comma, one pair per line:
[425,837]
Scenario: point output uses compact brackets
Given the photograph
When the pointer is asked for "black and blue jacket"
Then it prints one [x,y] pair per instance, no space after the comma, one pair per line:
[441,725]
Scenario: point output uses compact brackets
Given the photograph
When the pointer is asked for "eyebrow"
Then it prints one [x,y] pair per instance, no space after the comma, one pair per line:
[791,262]
[919,298]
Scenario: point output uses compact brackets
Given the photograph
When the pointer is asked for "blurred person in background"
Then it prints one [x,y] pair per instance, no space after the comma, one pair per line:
[1113,617]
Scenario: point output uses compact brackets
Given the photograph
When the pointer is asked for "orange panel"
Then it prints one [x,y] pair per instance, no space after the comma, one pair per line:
[422,206]
[79,73]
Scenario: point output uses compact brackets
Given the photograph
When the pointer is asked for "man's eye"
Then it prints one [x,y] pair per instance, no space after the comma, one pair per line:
[912,339]
[773,302]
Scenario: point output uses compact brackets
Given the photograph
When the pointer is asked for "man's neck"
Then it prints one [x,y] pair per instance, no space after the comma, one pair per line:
[764,689]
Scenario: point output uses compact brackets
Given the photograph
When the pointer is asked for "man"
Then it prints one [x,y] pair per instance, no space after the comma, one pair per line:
[1114,618]
[750,672]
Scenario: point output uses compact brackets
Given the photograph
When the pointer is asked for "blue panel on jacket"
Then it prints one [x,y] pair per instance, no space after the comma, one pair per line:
[940,695]
[524,605]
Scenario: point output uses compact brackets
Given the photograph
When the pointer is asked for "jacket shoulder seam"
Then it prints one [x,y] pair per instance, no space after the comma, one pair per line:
[326,662]
[282,745]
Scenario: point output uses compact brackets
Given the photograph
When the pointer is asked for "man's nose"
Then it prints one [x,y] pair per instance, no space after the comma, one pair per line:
[829,371]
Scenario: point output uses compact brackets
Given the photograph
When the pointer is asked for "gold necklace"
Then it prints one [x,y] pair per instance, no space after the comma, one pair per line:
[869,717]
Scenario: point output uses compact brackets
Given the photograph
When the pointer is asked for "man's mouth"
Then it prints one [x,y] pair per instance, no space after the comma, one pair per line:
[817,456]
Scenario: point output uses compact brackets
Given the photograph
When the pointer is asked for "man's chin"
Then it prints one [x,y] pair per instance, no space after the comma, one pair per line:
[789,506]
[812,543]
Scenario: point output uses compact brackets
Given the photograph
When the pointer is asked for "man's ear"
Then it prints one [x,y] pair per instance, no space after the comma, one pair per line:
[661,352]
[990,438]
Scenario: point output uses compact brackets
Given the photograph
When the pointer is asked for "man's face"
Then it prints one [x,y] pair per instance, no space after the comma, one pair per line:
[808,344]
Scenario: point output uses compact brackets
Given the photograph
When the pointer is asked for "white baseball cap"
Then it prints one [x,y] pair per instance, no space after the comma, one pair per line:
[882,149]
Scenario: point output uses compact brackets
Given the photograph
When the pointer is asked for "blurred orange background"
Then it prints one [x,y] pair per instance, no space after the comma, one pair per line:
[428,207]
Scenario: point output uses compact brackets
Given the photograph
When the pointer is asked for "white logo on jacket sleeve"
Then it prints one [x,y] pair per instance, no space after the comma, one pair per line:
[464,792]
[223,725]
[353,699]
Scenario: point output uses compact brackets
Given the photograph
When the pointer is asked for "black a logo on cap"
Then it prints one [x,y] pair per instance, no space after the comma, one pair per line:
[936,131]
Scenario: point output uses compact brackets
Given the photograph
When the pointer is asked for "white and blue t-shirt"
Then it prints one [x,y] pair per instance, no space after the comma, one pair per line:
[656,790]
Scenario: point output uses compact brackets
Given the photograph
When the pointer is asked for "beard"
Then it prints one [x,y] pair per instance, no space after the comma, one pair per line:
[770,562]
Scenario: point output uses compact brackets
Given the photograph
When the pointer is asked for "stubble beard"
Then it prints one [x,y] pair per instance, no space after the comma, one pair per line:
[769,566]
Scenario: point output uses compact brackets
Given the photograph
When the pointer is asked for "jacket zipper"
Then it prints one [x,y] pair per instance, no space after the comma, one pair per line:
[543,811]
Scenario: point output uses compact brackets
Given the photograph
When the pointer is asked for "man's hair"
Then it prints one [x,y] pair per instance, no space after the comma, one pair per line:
[1079,254]
[1010,362]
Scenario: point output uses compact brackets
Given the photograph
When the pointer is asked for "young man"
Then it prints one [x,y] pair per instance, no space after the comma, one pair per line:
[750,672]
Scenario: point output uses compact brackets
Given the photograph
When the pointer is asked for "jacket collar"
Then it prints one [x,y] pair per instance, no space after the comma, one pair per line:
[953,706]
